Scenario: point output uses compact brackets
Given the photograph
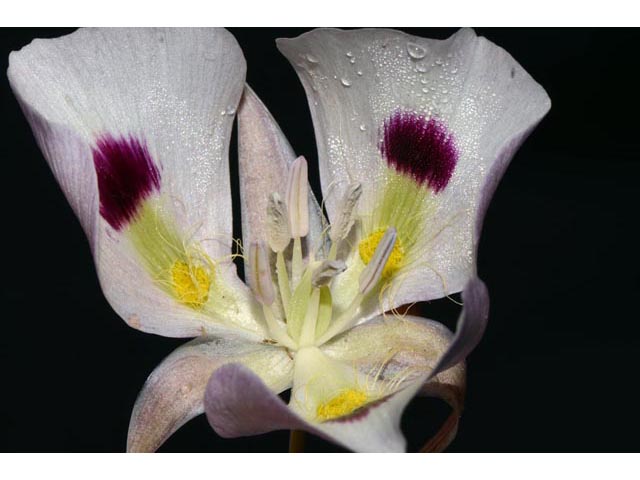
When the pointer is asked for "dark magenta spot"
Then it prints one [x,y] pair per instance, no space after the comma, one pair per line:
[126,176]
[421,148]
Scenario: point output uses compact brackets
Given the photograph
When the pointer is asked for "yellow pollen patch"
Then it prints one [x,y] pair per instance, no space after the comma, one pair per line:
[342,404]
[367,248]
[191,283]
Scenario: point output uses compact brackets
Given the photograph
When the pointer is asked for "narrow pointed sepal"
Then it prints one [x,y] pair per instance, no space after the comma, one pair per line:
[265,158]
[173,394]
[471,325]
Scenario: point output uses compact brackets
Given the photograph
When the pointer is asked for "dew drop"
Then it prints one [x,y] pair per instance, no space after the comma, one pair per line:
[416,51]
[345,82]
[311,58]
[359,73]
[352,60]
[422,68]
[363,127]
[349,54]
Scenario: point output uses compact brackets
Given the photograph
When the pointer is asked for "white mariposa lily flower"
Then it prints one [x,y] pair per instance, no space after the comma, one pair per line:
[413,136]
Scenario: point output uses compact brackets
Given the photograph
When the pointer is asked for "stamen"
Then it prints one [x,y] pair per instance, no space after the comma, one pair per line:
[340,229]
[277,224]
[297,198]
[345,403]
[367,249]
[372,273]
[327,271]
[261,282]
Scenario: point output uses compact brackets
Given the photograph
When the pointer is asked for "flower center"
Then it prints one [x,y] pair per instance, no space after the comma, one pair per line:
[367,248]
[191,283]
[344,403]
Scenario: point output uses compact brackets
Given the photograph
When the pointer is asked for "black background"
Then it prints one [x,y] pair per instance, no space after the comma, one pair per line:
[557,368]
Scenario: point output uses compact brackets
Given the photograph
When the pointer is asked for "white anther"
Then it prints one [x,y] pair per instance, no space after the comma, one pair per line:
[371,274]
[340,229]
[261,282]
[326,272]
[278,231]
[297,198]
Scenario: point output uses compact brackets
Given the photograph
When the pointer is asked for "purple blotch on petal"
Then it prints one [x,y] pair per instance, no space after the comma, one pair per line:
[126,176]
[419,147]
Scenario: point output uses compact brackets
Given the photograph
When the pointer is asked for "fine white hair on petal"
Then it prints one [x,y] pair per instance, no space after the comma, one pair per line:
[355,80]
[174,90]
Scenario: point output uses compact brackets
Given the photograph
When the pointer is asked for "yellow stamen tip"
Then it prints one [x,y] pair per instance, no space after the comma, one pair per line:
[367,248]
[342,404]
[191,283]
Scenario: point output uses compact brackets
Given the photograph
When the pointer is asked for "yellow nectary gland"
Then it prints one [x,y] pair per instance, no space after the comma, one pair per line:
[342,404]
[191,283]
[367,248]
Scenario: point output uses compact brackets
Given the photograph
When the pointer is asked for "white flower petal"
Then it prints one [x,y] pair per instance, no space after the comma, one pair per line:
[238,403]
[173,394]
[356,80]
[166,89]
[410,346]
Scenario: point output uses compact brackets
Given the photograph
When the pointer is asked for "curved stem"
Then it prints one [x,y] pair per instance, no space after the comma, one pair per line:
[296,441]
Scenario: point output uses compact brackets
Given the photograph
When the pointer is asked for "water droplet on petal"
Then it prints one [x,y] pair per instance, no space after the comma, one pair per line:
[345,82]
[352,61]
[421,68]
[363,127]
[311,58]
[359,73]
[416,51]
[349,54]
